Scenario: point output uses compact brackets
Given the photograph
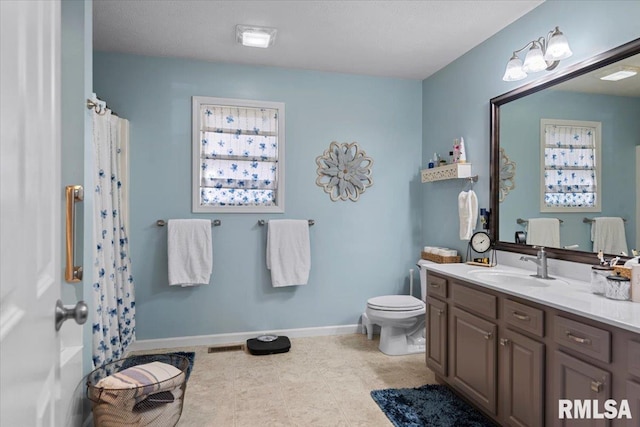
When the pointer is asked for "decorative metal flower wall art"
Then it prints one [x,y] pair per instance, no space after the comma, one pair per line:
[344,171]
[507,175]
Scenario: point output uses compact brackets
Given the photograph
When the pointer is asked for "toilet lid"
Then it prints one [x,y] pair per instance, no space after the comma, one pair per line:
[395,303]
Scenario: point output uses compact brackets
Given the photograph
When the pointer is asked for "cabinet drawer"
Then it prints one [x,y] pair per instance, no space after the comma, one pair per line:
[436,286]
[633,358]
[523,317]
[588,340]
[476,301]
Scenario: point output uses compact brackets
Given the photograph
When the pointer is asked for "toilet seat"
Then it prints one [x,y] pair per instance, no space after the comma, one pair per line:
[395,303]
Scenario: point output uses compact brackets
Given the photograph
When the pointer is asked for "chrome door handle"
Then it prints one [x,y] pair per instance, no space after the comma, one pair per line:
[79,312]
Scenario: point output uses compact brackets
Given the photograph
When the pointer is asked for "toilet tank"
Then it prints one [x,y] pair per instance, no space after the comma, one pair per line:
[423,278]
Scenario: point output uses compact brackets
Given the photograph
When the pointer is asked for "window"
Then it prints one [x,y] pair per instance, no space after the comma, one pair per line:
[570,161]
[238,155]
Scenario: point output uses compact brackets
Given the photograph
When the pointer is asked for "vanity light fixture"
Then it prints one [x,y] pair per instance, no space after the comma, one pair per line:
[620,73]
[543,54]
[255,36]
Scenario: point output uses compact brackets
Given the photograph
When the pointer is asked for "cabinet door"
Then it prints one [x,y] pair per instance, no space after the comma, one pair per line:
[473,357]
[522,380]
[633,396]
[577,380]
[437,336]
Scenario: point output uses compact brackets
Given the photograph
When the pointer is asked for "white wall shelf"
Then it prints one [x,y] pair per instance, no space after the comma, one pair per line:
[454,171]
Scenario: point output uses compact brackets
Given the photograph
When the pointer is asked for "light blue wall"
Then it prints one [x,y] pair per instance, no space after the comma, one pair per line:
[77,154]
[359,250]
[456,99]
[520,135]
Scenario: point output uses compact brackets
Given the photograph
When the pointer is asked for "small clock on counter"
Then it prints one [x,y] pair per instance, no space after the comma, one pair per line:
[479,244]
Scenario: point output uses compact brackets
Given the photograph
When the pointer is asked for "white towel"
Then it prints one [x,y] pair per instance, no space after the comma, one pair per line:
[607,235]
[468,213]
[288,252]
[543,232]
[190,251]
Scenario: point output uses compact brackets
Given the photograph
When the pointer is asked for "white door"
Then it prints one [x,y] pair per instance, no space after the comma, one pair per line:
[30,222]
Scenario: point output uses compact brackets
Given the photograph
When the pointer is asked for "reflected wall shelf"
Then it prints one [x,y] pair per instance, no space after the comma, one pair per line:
[454,171]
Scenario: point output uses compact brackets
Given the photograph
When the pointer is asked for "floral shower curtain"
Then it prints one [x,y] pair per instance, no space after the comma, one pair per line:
[113,288]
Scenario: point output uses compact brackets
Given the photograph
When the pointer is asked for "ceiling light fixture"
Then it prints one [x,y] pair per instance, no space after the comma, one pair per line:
[543,54]
[619,73]
[255,36]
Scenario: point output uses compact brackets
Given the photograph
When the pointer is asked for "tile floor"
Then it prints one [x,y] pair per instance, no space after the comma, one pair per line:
[321,381]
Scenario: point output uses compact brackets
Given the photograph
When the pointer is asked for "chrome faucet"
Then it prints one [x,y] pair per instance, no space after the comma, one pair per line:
[541,263]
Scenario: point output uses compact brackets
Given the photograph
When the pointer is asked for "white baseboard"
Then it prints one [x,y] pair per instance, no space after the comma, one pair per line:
[240,337]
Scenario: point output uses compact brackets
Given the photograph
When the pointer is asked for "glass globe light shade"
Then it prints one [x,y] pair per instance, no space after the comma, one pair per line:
[558,47]
[514,70]
[534,61]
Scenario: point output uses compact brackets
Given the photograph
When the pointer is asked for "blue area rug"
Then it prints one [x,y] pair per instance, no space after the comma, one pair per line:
[148,358]
[429,405]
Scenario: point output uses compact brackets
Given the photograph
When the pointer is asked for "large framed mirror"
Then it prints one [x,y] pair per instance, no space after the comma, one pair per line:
[520,121]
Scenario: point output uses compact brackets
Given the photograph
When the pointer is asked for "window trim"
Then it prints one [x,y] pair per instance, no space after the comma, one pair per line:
[197,102]
[598,153]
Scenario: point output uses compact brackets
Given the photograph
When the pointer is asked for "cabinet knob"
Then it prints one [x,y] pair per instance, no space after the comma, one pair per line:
[504,342]
[596,386]
[487,335]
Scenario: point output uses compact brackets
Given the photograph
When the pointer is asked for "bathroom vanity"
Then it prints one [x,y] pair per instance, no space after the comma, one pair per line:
[513,345]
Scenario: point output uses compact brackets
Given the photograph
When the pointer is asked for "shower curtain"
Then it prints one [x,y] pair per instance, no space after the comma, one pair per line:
[113,288]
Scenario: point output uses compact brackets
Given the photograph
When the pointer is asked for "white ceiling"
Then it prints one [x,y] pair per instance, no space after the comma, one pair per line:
[403,39]
[591,82]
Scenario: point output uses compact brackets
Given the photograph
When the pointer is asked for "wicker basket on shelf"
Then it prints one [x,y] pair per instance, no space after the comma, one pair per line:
[440,259]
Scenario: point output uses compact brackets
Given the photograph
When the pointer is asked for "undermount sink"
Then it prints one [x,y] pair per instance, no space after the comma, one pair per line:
[511,278]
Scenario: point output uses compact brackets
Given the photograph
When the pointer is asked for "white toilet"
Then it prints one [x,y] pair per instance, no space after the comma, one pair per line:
[401,319]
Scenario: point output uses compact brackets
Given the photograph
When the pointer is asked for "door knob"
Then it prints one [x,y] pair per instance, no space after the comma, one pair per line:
[79,312]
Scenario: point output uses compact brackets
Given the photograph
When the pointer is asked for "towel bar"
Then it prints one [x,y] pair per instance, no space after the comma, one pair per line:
[214,222]
[524,221]
[590,220]
[263,222]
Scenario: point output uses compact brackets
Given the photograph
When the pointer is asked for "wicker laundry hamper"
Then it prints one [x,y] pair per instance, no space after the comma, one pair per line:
[138,391]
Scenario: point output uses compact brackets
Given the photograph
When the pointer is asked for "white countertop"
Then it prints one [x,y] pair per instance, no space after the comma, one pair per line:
[568,294]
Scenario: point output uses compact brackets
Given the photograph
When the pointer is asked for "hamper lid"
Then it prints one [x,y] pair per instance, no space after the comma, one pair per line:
[618,278]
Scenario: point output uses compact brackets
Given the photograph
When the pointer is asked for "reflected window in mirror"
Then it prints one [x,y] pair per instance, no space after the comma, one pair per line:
[569,165]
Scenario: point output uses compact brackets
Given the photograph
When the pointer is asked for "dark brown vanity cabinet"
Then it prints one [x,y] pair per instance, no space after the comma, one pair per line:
[473,357]
[521,379]
[575,379]
[515,359]
[437,336]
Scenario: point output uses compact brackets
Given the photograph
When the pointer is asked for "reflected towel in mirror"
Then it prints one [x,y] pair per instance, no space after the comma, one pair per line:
[543,232]
[607,235]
